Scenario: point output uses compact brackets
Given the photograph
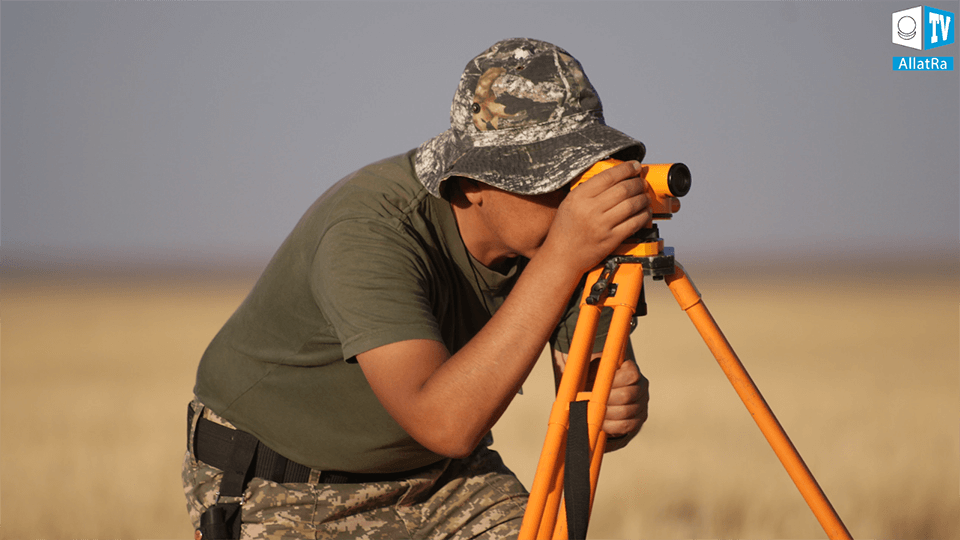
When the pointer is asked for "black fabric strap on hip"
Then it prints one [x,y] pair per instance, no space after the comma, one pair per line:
[231,450]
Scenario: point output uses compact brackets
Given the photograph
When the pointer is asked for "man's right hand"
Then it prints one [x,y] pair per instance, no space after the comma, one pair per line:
[597,216]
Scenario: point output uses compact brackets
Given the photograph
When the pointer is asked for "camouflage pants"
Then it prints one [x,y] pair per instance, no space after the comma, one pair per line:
[475,497]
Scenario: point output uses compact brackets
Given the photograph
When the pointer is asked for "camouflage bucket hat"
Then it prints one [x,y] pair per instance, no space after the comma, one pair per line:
[524,119]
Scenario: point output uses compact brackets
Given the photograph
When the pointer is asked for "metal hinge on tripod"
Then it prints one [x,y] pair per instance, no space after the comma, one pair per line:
[656,266]
[610,267]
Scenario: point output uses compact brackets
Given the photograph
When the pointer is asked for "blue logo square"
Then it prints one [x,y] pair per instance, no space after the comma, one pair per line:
[939,28]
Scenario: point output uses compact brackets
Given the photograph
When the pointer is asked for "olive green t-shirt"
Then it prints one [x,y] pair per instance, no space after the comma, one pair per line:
[375,260]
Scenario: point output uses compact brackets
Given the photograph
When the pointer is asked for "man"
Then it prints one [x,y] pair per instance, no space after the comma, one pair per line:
[352,393]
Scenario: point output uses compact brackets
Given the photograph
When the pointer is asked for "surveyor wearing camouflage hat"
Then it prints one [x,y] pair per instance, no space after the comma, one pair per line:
[352,393]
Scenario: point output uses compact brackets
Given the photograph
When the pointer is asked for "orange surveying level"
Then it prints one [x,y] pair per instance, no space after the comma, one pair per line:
[570,461]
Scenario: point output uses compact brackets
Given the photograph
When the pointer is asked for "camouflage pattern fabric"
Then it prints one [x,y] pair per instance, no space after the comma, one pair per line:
[476,497]
[525,119]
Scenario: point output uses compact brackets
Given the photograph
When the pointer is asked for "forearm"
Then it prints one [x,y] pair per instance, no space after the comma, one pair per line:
[469,392]
[448,403]
[488,372]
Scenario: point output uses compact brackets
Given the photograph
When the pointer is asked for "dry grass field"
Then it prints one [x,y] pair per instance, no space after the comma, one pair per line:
[860,366]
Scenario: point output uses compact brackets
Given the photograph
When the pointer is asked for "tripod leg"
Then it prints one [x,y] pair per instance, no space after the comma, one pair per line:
[691,302]
[596,459]
[628,282]
[553,519]
[544,498]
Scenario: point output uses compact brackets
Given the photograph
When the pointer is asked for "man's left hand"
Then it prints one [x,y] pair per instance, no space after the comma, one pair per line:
[627,405]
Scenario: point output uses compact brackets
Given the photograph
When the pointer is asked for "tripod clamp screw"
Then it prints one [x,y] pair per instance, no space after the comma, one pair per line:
[657,266]
[610,266]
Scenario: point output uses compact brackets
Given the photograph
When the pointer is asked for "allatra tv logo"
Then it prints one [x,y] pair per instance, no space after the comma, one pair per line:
[923,28]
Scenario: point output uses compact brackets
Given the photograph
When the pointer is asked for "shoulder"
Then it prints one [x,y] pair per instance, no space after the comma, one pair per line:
[382,194]
[381,208]
[385,189]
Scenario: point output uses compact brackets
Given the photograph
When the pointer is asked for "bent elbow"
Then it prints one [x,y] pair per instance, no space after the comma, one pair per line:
[455,445]
[460,452]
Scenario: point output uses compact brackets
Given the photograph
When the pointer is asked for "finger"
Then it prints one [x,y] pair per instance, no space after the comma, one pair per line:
[623,419]
[624,395]
[620,428]
[632,212]
[602,181]
[628,373]
[631,189]
[627,411]
[609,203]
[629,393]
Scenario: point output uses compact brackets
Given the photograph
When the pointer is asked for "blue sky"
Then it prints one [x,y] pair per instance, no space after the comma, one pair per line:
[171,131]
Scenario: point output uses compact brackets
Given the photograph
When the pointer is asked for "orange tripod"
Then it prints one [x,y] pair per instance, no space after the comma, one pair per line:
[617,284]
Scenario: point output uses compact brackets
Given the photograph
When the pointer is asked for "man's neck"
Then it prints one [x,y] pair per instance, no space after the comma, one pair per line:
[477,237]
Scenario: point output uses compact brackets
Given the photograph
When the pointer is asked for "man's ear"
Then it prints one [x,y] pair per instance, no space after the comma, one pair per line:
[470,189]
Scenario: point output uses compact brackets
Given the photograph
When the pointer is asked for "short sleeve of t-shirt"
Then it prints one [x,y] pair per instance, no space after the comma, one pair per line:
[372,283]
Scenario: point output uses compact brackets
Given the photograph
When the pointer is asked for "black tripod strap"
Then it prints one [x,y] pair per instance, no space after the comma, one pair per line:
[576,480]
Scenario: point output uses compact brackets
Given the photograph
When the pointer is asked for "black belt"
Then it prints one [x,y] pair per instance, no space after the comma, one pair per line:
[216,445]
[241,457]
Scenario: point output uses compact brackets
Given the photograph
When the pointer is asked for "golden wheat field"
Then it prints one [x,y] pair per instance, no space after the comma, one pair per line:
[860,364]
